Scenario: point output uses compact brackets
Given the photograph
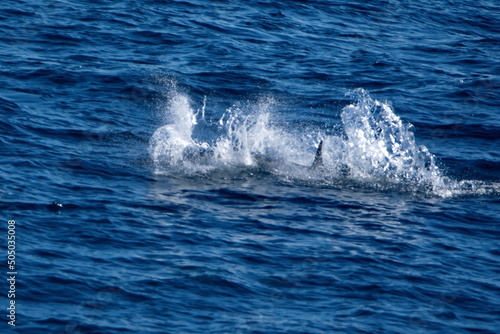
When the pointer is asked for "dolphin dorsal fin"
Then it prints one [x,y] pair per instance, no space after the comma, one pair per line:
[318,159]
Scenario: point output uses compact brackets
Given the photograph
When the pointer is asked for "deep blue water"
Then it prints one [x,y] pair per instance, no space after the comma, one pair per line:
[156,157]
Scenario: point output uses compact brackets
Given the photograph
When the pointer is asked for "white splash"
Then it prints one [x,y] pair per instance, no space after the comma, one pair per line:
[379,148]
[247,139]
[374,149]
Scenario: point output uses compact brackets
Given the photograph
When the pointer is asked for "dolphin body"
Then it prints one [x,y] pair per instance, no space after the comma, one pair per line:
[204,155]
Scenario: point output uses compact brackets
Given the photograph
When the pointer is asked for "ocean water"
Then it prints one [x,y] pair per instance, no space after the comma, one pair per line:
[157,159]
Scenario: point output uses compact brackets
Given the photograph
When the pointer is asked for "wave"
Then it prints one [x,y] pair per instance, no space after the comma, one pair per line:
[371,148]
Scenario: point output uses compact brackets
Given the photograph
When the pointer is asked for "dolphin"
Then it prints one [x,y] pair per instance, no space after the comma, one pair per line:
[345,171]
[205,155]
